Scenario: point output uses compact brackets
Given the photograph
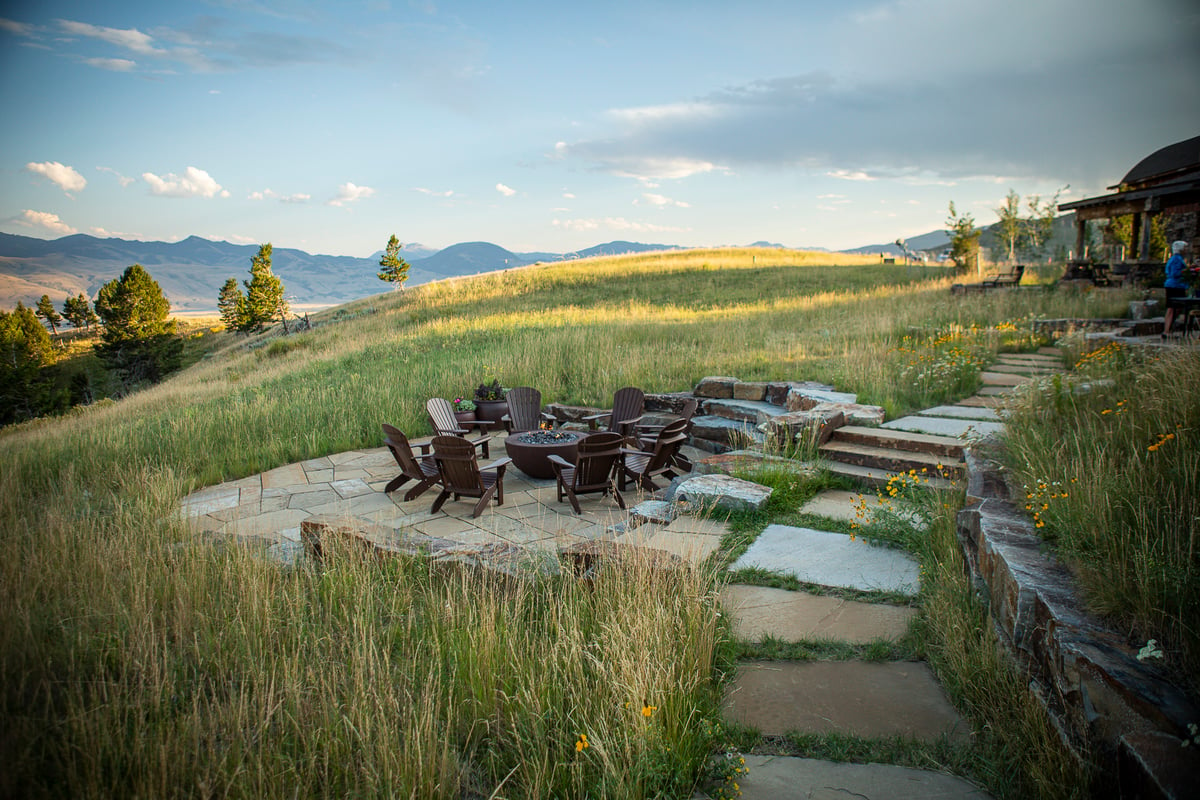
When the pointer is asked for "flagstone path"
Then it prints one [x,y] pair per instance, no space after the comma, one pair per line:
[866,699]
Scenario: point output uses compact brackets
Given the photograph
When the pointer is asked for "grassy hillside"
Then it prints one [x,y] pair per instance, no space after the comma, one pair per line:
[139,660]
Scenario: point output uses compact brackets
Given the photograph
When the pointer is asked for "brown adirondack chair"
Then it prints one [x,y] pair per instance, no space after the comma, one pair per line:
[460,475]
[421,469]
[646,434]
[441,416]
[599,455]
[525,410]
[643,466]
[628,405]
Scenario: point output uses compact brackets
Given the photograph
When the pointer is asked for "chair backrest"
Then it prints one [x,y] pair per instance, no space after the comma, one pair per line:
[668,442]
[628,403]
[398,443]
[524,408]
[596,455]
[441,416]
[459,470]
[688,410]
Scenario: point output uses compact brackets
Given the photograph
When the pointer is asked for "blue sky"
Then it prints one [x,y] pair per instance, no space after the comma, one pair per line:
[555,126]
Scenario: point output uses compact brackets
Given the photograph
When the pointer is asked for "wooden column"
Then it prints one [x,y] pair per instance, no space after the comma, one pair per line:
[1143,246]
[1080,235]
[1135,236]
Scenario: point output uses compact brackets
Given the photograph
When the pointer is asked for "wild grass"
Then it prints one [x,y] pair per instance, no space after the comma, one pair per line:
[137,659]
[1111,474]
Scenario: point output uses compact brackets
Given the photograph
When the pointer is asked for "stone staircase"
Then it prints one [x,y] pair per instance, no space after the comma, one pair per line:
[873,455]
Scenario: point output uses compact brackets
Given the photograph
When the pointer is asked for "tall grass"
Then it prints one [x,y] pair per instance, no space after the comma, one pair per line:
[137,659]
[1112,479]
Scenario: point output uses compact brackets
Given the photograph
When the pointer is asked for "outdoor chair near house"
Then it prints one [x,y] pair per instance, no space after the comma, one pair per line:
[628,406]
[646,434]
[525,410]
[441,416]
[421,469]
[597,461]
[460,475]
[1007,277]
[642,466]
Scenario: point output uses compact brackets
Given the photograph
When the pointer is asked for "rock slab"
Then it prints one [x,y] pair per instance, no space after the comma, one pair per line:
[788,777]
[759,611]
[831,559]
[705,492]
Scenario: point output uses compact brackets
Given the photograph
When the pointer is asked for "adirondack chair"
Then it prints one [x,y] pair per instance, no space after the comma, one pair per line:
[628,405]
[423,470]
[646,434]
[460,475]
[441,416]
[599,454]
[643,466]
[525,410]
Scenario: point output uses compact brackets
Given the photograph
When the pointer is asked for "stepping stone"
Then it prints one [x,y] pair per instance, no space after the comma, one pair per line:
[995,391]
[852,507]
[831,559]
[1001,379]
[962,412]
[759,611]
[774,777]
[943,426]
[721,491]
[691,547]
[855,697]
[982,401]
[1023,369]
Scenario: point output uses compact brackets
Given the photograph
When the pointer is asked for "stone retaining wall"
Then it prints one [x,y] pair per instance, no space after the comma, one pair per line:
[1123,712]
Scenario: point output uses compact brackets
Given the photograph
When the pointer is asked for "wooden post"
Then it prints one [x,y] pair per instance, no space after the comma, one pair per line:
[1143,247]
[1135,235]
[1080,234]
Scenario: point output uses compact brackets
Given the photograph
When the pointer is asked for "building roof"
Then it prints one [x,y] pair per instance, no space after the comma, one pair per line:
[1164,163]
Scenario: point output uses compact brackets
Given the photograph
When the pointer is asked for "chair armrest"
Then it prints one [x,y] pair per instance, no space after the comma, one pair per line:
[555,458]
[498,464]
[424,448]
[592,419]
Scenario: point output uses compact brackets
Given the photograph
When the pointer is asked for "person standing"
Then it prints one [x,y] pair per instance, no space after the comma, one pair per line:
[1175,284]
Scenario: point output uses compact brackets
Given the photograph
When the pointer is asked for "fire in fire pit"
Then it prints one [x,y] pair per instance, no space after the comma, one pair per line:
[547,437]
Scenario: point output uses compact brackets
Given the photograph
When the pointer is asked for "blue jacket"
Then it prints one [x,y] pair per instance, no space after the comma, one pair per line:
[1175,273]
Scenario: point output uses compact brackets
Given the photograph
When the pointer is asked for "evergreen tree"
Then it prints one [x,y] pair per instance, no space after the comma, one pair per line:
[264,294]
[25,348]
[47,311]
[78,311]
[139,339]
[395,268]
[964,239]
[232,304]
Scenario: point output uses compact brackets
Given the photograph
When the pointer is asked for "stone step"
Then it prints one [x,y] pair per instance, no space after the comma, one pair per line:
[759,611]
[892,459]
[724,432]
[1031,358]
[878,478]
[754,412]
[872,700]
[774,777]
[945,446]
[962,412]
[982,401]
[1002,379]
[1023,369]
[863,508]
[831,559]
[945,426]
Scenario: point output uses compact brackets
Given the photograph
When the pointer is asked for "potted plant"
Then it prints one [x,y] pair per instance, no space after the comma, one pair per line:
[464,410]
[490,402]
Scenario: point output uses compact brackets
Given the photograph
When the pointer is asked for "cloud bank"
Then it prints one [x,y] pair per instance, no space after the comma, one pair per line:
[65,177]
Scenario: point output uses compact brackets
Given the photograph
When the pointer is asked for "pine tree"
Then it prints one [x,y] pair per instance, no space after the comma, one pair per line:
[47,311]
[264,294]
[232,304]
[25,348]
[395,268]
[139,339]
[78,311]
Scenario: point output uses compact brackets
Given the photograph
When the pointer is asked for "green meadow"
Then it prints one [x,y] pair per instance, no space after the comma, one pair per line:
[140,659]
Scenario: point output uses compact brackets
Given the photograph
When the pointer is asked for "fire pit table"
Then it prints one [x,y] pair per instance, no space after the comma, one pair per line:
[530,451]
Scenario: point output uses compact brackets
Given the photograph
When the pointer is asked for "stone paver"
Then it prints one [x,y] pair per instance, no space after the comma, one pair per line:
[864,699]
[851,507]
[759,611]
[1002,379]
[962,412]
[944,426]
[790,778]
[831,559]
[692,547]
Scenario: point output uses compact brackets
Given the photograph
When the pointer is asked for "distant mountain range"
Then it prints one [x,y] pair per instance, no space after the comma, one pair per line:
[192,271]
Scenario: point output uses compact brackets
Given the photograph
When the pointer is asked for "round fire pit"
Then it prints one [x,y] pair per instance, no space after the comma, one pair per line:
[530,451]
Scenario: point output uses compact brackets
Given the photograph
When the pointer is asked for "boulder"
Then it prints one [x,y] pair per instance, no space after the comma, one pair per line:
[745,390]
[653,511]
[704,492]
[803,398]
[723,431]
[814,427]
[715,386]
[854,413]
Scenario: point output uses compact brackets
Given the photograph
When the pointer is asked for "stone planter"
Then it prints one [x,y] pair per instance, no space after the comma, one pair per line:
[491,410]
[464,416]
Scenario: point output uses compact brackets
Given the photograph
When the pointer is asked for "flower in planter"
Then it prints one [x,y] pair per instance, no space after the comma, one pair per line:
[490,391]
[462,404]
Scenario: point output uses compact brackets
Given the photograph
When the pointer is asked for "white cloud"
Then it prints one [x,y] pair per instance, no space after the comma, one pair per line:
[107,234]
[432,193]
[44,219]
[111,64]
[194,183]
[66,177]
[568,195]
[350,193]
[18,28]
[129,38]
[849,175]
[270,194]
[661,201]
[505,190]
[236,239]
[122,179]
[615,224]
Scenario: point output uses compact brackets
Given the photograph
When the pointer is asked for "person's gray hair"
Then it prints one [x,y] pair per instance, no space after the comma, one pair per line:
[1178,247]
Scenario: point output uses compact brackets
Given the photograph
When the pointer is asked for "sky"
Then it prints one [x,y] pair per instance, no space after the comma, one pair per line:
[555,126]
